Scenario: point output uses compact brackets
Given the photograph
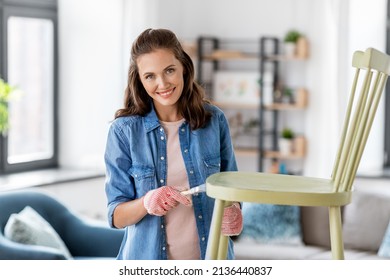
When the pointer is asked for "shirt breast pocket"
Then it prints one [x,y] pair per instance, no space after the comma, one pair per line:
[144,178]
[212,165]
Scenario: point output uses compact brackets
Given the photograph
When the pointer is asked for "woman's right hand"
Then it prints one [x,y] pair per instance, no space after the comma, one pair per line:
[159,201]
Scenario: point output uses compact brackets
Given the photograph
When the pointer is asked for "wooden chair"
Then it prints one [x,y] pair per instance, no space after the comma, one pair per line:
[333,192]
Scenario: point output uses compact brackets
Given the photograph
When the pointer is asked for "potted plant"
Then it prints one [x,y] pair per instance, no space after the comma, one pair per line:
[288,95]
[290,42]
[286,141]
[6,91]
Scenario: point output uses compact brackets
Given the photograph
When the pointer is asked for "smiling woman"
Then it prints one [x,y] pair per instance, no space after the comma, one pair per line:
[159,146]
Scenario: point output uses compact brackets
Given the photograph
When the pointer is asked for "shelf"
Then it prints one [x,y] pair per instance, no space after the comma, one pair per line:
[278,155]
[243,56]
[246,151]
[284,58]
[284,106]
[268,154]
[230,55]
[227,57]
[229,105]
[254,106]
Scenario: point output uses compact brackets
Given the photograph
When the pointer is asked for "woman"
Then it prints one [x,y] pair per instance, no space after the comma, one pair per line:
[166,139]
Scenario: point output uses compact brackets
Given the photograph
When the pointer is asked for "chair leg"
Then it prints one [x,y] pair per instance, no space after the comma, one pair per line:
[223,240]
[223,247]
[336,235]
[215,231]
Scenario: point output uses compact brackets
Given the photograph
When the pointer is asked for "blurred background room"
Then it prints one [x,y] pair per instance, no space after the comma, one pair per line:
[68,60]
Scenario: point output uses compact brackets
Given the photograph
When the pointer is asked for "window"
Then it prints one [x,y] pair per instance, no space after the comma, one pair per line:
[387,106]
[29,61]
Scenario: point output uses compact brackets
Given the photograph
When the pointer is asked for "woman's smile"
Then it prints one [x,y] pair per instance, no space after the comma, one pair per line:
[166,93]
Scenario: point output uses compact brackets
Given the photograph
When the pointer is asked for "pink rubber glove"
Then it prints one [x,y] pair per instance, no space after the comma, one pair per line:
[159,201]
[232,220]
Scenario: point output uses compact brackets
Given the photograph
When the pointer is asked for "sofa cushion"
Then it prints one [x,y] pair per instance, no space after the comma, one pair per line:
[315,226]
[28,227]
[366,220]
[271,223]
[348,255]
[245,249]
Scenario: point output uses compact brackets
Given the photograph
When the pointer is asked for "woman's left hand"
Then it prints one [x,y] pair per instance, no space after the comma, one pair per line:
[232,220]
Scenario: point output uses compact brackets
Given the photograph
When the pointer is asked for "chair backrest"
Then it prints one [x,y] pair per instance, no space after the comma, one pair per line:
[372,70]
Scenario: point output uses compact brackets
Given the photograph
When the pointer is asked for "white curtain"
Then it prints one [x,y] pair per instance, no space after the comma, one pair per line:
[368,20]
[325,76]
[345,26]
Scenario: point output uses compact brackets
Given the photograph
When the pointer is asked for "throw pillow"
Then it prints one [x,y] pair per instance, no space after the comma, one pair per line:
[267,223]
[384,249]
[28,227]
[365,221]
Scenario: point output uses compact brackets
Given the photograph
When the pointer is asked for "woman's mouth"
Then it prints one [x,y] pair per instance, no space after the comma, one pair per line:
[166,93]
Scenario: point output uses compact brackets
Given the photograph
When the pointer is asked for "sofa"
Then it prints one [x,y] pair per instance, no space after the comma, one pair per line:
[366,231]
[51,230]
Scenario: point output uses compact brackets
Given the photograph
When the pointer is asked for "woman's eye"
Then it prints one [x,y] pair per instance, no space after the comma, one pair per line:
[148,77]
[170,70]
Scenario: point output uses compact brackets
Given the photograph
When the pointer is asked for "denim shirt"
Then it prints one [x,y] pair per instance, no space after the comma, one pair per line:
[135,159]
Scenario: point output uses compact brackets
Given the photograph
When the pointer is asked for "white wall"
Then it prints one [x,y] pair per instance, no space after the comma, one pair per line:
[90,79]
[94,47]
[370,29]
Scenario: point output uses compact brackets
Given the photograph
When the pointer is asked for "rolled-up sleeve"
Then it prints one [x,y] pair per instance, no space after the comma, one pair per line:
[119,186]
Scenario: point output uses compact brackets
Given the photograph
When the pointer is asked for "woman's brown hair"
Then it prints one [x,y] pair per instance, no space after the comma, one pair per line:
[138,102]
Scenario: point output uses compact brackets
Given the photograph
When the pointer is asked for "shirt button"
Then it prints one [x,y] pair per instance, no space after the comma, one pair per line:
[200,217]
[191,172]
[162,138]
[163,248]
[186,150]
[161,180]
[161,129]
[162,226]
[203,238]
[162,158]
[183,130]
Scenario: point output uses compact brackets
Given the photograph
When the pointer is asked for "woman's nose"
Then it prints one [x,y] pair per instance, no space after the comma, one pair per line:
[162,82]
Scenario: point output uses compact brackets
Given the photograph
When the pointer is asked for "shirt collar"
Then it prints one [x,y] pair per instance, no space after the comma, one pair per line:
[151,120]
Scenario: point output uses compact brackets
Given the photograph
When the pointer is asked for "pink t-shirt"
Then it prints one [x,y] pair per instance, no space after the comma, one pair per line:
[182,234]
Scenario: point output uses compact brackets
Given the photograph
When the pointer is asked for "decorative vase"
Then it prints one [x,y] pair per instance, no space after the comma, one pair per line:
[289,49]
[285,146]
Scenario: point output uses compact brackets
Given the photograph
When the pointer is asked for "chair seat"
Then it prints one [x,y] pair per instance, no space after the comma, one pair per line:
[275,189]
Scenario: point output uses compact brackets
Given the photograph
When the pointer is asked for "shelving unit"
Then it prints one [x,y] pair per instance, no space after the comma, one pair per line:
[273,59]
[265,58]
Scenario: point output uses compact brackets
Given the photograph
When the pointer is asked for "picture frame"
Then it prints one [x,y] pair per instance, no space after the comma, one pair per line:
[237,87]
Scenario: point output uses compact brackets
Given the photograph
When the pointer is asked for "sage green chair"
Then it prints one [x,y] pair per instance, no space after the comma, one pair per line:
[372,68]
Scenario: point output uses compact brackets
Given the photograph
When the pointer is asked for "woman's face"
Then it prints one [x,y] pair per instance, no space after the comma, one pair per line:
[161,75]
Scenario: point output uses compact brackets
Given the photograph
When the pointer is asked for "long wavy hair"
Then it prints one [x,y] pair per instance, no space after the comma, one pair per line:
[138,102]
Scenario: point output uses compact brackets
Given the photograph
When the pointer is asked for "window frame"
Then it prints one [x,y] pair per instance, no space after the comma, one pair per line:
[386,163]
[44,9]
